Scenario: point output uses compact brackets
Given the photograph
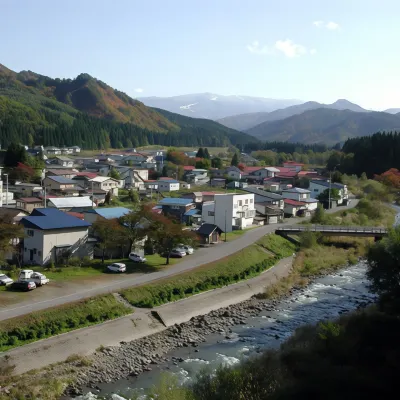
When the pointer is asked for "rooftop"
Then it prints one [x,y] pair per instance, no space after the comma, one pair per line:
[89,175]
[207,229]
[327,184]
[69,202]
[61,179]
[51,218]
[296,190]
[168,180]
[294,202]
[30,200]
[102,179]
[263,193]
[110,213]
[62,158]
[61,171]
[175,201]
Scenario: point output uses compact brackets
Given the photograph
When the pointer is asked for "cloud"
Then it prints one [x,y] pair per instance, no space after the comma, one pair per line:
[287,47]
[138,90]
[256,48]
[332,26]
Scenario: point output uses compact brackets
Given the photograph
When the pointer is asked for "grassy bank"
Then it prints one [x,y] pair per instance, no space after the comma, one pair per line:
[43,324]
[244,264]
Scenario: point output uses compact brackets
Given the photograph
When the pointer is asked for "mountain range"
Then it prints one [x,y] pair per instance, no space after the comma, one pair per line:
[87,112]
[215,106]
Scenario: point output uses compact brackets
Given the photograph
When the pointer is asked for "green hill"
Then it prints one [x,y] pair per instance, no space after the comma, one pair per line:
[87,112]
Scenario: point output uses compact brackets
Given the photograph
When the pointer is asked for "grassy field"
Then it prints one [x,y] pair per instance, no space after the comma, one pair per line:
[42,324]
[239,266]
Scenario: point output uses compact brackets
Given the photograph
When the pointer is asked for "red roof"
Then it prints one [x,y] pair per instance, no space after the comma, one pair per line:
[305,173]
[165,178]
[294,202]
[150,180]
[75,214]
[286,174]
[293,163]
[251,169]
[89,175]
[30,200]
[188,167]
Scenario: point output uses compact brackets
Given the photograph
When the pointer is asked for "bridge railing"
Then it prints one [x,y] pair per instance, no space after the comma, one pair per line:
[333,228]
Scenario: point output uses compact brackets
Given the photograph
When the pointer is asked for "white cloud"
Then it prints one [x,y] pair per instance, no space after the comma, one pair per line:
[313,51]
[139,90]
[332,26]
[256,48]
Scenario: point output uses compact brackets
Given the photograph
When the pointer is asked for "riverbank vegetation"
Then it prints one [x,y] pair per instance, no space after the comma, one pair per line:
[242,265]
[42,324]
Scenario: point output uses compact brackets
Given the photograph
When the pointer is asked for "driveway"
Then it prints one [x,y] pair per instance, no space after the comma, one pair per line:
[50,297]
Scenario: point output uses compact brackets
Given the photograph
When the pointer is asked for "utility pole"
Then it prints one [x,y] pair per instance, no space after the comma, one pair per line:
[330,186]
[6,189]
[225,225]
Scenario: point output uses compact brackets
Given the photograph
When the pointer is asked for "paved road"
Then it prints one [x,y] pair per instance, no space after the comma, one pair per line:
[200,257]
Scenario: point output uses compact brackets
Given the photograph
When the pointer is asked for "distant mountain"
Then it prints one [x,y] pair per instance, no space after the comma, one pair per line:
[215,106]
[244,122]
[325,125]
[36,109]
[392,110]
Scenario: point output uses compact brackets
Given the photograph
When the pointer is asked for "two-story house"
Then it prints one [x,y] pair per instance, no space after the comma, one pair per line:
[177,207]
[234,173]
[29,203]
[168,185]
[51,235]
[301,195]
[264,172]
[104,183]
[102,213]
[61,185]
[229,211]
[66,173]
[318,187]
[64,161]
[262,196]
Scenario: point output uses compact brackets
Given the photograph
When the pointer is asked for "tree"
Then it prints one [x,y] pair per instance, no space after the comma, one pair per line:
[109,233]
[135,224]
[107,200]
[319,215]
[384,269]
[203,164]
[200,153]
[164,171]
[134,196]
[235,160]
[8,232]
[15,154]
[216,162]
[114,173]
[206,154]
[324,196]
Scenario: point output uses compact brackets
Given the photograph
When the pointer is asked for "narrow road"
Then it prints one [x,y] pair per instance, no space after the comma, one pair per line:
[200,257]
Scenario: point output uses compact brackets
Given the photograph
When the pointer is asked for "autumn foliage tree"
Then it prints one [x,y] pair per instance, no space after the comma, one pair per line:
[390,178]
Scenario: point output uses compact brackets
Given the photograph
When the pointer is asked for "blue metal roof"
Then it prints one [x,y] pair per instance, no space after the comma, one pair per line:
[326,184]
[52,218]
[110,213]
[61,179]
[175,201]
[192,212]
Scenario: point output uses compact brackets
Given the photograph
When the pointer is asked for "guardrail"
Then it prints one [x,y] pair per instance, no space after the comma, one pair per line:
[333,229]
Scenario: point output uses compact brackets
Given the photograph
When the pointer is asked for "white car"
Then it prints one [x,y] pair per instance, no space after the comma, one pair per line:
[27,275]
[117,267]
[177,253]
[186,248]
[5,280]
[136,258]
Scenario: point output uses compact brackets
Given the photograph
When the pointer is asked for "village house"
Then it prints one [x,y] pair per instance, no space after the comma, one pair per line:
[266,213]
[64,161]
[28,204]
[104,183]
[52,151]
[230,211]
[233,173]
[11,215]
[262,196]
[178,208]
[61,185]
[101,213]
[76,149]
[25,189]
[209,233]
[168,185]
[302,195]
[51,235]
[135,158]
[318,187]
[294,208]
[218,182]
[133,177]
[151,185]
[66,173]
[293,165]
[71,203]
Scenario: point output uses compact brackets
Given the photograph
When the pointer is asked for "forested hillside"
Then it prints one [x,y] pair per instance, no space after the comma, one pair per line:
[35,109]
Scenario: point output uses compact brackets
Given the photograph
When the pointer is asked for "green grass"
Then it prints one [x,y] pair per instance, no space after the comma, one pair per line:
[42,324]
[242,265]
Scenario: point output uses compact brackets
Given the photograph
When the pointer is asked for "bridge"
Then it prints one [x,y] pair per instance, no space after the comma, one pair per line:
[331,230]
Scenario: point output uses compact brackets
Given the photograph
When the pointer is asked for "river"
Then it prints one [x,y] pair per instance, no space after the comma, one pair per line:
[326,298]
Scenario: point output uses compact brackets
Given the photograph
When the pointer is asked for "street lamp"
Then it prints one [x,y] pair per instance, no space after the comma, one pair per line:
[6,189]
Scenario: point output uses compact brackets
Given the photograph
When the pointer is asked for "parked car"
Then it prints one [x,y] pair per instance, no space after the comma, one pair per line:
[27,275]
[188,249]
[136,258]
[179,253]
[116,267]
[5,280]
[23,285]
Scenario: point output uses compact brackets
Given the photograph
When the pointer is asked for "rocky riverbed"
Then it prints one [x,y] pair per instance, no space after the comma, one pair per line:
[132,359]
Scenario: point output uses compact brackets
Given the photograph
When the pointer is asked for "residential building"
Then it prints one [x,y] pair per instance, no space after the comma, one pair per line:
[318,187]
[61,185]
[51,235]
[101,213]
[133,177]
[184,185]
[52,151]
[151,184]
[209,233]
[169,185]
[264,172]
[218,182]
[302,195]
[293,165]
[268,214]
[177,208]
[236,185]
[29,203]
[230,211]
[197,174]
[200,197]
[76,149]
[11,215]
[64,161]
[234,173]
[294,208]
[135,158]
[262,196]
[25,189]
[70,203]
[104,183]
[66,173]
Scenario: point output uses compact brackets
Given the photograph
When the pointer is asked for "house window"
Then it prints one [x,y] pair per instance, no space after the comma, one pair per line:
[30,232]
[316,190]
[211,213]
[235,205]
[25,249]
[246,201]
[251,201]
[240,203]
[39,253]
[34,251]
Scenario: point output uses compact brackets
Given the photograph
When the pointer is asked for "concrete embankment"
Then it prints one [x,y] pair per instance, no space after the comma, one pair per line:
[140,324]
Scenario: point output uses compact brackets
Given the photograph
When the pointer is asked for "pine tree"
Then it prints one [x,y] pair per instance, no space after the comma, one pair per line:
[206,154]
[235,160]
[200,153]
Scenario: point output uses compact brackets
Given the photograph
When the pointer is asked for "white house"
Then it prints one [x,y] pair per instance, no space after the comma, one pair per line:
[135,158]
[302,195]
[262,196]
[104,183]
[64,161]
[230,211]
[169,185]
[265,172]
[234,173]
[133,177]
[293,208]
[318,187]
[76,149]
[51,234]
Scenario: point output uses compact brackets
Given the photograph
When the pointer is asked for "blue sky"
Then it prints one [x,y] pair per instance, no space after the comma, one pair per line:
[309,49]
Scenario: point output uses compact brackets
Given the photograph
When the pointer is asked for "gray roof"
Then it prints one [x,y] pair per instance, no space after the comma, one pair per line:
[263,193]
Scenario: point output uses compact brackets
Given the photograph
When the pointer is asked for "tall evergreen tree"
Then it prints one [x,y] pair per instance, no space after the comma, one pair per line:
[235,160]
[200,153]
[206,154]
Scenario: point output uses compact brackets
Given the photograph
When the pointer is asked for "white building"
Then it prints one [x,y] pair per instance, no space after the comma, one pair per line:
[104,183]
[318,187]
[51,234]
[230,211]
[302,195]
[169,185]
[65,161]
[265,172]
